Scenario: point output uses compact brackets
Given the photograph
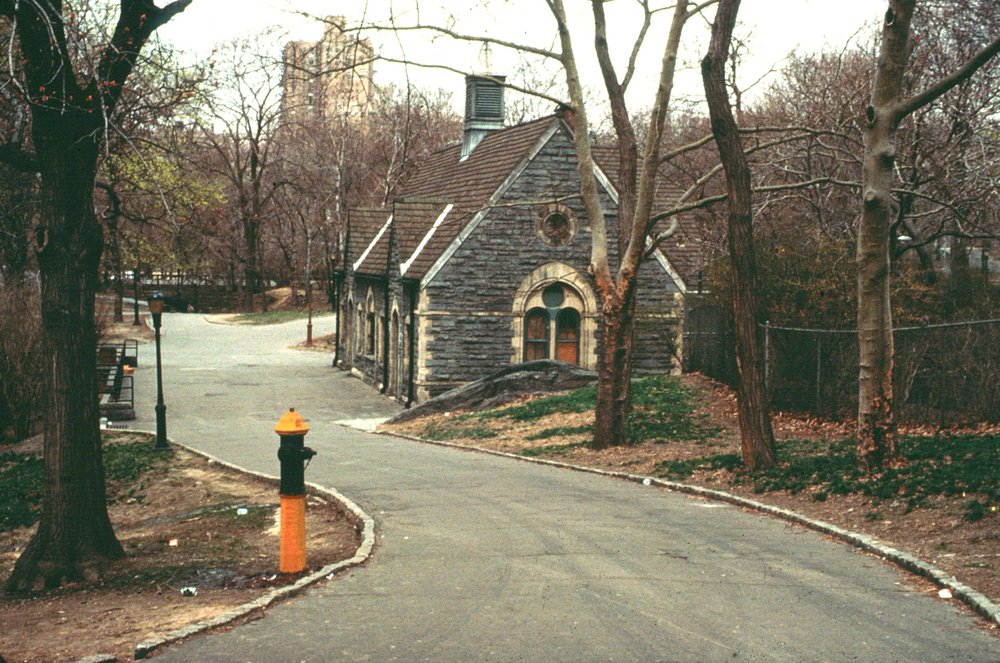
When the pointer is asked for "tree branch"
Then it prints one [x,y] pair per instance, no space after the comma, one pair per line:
[961,74]
[137,21]
[654,243]
[524,48]
[804,131]
[455,70]
[699,8]
[647,17]
[164,14]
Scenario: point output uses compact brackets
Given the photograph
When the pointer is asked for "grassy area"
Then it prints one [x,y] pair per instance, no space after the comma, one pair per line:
[662,410]
[275,317]
[952,466]
[125,465]
[549,449]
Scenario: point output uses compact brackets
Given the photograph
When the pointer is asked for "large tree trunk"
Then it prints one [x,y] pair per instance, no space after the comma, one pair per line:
[876,434]
[74,539]
[756,434]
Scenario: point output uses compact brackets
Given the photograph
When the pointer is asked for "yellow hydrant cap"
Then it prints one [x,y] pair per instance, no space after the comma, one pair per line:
[291,423]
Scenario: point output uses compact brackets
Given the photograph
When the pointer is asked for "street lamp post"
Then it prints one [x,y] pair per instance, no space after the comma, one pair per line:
[309,290]
[156,308]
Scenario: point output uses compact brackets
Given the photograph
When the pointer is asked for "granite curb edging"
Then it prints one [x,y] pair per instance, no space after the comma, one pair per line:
[977,601]
[345,505]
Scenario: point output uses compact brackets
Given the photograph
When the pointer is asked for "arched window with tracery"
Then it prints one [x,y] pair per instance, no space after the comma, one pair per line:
[554,317]
[536,334]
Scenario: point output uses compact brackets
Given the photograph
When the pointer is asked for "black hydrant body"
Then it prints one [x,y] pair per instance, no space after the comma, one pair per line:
[293,455]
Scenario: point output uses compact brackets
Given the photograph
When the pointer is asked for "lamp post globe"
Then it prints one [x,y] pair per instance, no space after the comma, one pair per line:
[156,309]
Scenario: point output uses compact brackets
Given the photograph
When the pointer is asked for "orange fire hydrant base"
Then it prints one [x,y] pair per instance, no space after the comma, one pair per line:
[292,558]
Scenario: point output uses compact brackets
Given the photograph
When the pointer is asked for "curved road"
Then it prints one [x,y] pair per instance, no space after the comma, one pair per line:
[481,558]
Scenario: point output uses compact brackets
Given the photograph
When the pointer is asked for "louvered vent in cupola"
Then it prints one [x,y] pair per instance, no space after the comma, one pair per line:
[483,109]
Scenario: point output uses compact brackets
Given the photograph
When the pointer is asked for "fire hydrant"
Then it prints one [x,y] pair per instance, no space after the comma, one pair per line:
[293,455]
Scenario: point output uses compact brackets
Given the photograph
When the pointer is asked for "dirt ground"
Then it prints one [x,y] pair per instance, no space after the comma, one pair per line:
[939,535]
[184,530]
[110,331]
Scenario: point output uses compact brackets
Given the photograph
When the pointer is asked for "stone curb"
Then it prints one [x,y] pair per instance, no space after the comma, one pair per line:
[967,595]
[349,508]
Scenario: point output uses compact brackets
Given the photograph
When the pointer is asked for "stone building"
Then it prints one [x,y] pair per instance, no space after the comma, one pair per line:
[327,79]
[483,262]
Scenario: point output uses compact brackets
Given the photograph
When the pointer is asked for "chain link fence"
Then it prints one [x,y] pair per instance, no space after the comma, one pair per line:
[943,374]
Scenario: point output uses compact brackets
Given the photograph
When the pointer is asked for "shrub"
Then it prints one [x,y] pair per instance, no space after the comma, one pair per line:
[21,360]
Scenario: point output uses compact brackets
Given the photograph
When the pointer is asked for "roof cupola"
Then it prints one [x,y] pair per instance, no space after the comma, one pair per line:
[483,109]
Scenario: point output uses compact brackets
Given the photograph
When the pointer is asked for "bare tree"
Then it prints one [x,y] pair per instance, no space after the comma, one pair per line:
[876,434]
[242,111]
[636,183]
[756,434]
[70,104]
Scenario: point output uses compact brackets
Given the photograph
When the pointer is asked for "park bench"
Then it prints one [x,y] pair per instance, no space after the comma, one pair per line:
[115,386]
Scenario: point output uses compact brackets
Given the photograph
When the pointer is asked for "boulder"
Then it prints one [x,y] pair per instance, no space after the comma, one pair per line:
[504,386]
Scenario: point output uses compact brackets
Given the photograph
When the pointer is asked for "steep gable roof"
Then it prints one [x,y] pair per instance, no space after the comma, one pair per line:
[444,194]
[367,225]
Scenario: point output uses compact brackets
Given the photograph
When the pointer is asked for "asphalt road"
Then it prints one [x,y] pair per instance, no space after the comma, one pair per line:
[481,558]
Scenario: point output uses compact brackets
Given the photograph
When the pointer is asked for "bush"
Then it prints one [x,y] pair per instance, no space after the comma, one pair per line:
[930,466]
[126,466]
[21,360]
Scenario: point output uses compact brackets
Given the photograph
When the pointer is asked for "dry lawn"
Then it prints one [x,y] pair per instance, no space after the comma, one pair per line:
[182,530]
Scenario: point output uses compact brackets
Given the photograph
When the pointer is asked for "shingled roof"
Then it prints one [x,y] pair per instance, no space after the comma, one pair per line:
[445,193]
[367,224]
[443,182]
[413,221]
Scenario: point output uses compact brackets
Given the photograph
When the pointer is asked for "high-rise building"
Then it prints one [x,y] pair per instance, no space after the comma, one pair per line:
[327,79]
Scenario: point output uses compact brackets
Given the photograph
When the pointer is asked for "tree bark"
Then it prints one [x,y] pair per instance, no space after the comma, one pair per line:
[876,433]
[753,411]
[74,539]
[617,288]
[614,370]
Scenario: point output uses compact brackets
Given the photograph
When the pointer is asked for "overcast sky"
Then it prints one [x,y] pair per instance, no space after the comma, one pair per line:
[775,28]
